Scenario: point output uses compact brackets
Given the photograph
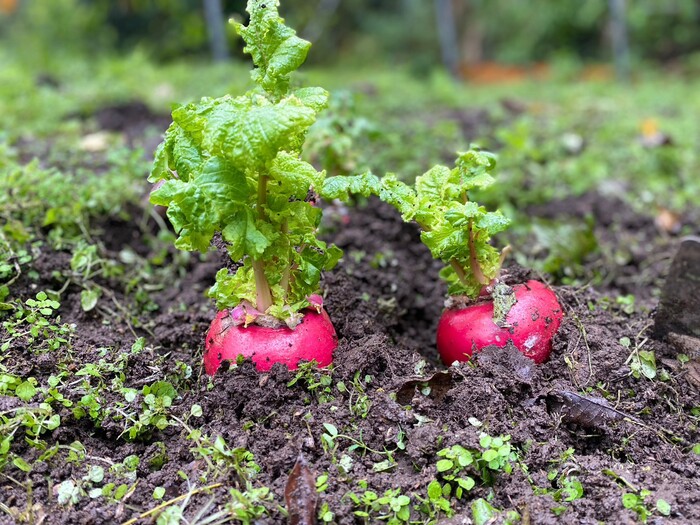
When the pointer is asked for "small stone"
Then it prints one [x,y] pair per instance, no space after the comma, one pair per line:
[95,142]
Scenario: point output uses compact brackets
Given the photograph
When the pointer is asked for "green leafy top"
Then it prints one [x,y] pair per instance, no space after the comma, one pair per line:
[232,166]
[455,229]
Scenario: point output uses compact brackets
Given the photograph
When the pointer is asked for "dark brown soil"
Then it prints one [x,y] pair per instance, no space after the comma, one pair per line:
[385,299]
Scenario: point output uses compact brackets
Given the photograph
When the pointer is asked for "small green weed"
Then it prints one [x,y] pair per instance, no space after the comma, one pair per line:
[642,363]
[392,507]
[34,421]
[483,513]
[157,400]
[625,303]
[455,460]
[564,486]
[331,439]
[637,502]
[218,456]
[358,400]
[33,322]
[249,505]
[315,381]
[325,514]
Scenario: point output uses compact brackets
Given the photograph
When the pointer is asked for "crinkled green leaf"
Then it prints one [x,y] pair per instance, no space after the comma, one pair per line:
[186,156]
[244,237]
[274,47]
[432,185]
[194,219]
[315,98]
[445,242]
[311,261]
[198,207]
[439,203]
[461,214]
[399,195]
[223,184]
[160,169]
[255,136]
[167,192]
[473,167]
[493,222]
[303,216]
[341,188]
[230,289]
[293,176]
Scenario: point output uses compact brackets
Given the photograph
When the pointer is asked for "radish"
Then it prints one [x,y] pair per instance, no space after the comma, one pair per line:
[530,324]
[230,171]
[457,231]
[313,339]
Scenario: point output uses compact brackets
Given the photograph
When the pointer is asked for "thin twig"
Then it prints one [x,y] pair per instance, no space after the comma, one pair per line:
[170,502]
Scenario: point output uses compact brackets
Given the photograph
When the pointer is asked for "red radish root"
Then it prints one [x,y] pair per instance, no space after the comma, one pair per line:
[314,338]
[530,324]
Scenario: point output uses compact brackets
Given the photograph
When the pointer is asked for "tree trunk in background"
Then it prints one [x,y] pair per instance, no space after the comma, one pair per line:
[216,27]
[447,32]
[620,42]
[471,34]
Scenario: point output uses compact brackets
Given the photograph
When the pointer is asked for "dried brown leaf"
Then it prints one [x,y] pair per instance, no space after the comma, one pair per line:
[586,411]
[300,494]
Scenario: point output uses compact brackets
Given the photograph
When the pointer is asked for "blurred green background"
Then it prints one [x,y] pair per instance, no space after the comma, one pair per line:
[517,32]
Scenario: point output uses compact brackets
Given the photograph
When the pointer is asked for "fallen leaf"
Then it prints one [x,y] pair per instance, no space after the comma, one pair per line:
[300,494]
[586,411]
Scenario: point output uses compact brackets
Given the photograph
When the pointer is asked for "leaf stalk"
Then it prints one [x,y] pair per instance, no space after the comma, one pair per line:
[474,262]
[263,292]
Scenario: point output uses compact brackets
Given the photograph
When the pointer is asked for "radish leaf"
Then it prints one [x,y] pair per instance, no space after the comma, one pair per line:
[454,228]
[231,166]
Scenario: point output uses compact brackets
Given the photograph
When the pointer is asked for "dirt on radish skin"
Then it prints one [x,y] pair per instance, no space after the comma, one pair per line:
[314,339]
[530,324]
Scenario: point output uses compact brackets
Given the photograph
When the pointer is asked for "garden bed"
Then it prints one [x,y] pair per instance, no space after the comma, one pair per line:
[132,386]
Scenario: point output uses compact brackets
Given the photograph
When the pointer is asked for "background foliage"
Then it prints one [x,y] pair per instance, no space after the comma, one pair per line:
[516,32]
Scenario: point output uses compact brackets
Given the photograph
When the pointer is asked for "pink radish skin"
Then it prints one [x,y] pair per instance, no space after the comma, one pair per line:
[532,321]
[313,339]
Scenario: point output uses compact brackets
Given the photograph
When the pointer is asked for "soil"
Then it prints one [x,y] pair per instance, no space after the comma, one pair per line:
[385,298]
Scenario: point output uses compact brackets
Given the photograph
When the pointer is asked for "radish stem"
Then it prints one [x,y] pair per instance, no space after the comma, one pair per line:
[262,287]
[461,274]
[284,282]
[474,262]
